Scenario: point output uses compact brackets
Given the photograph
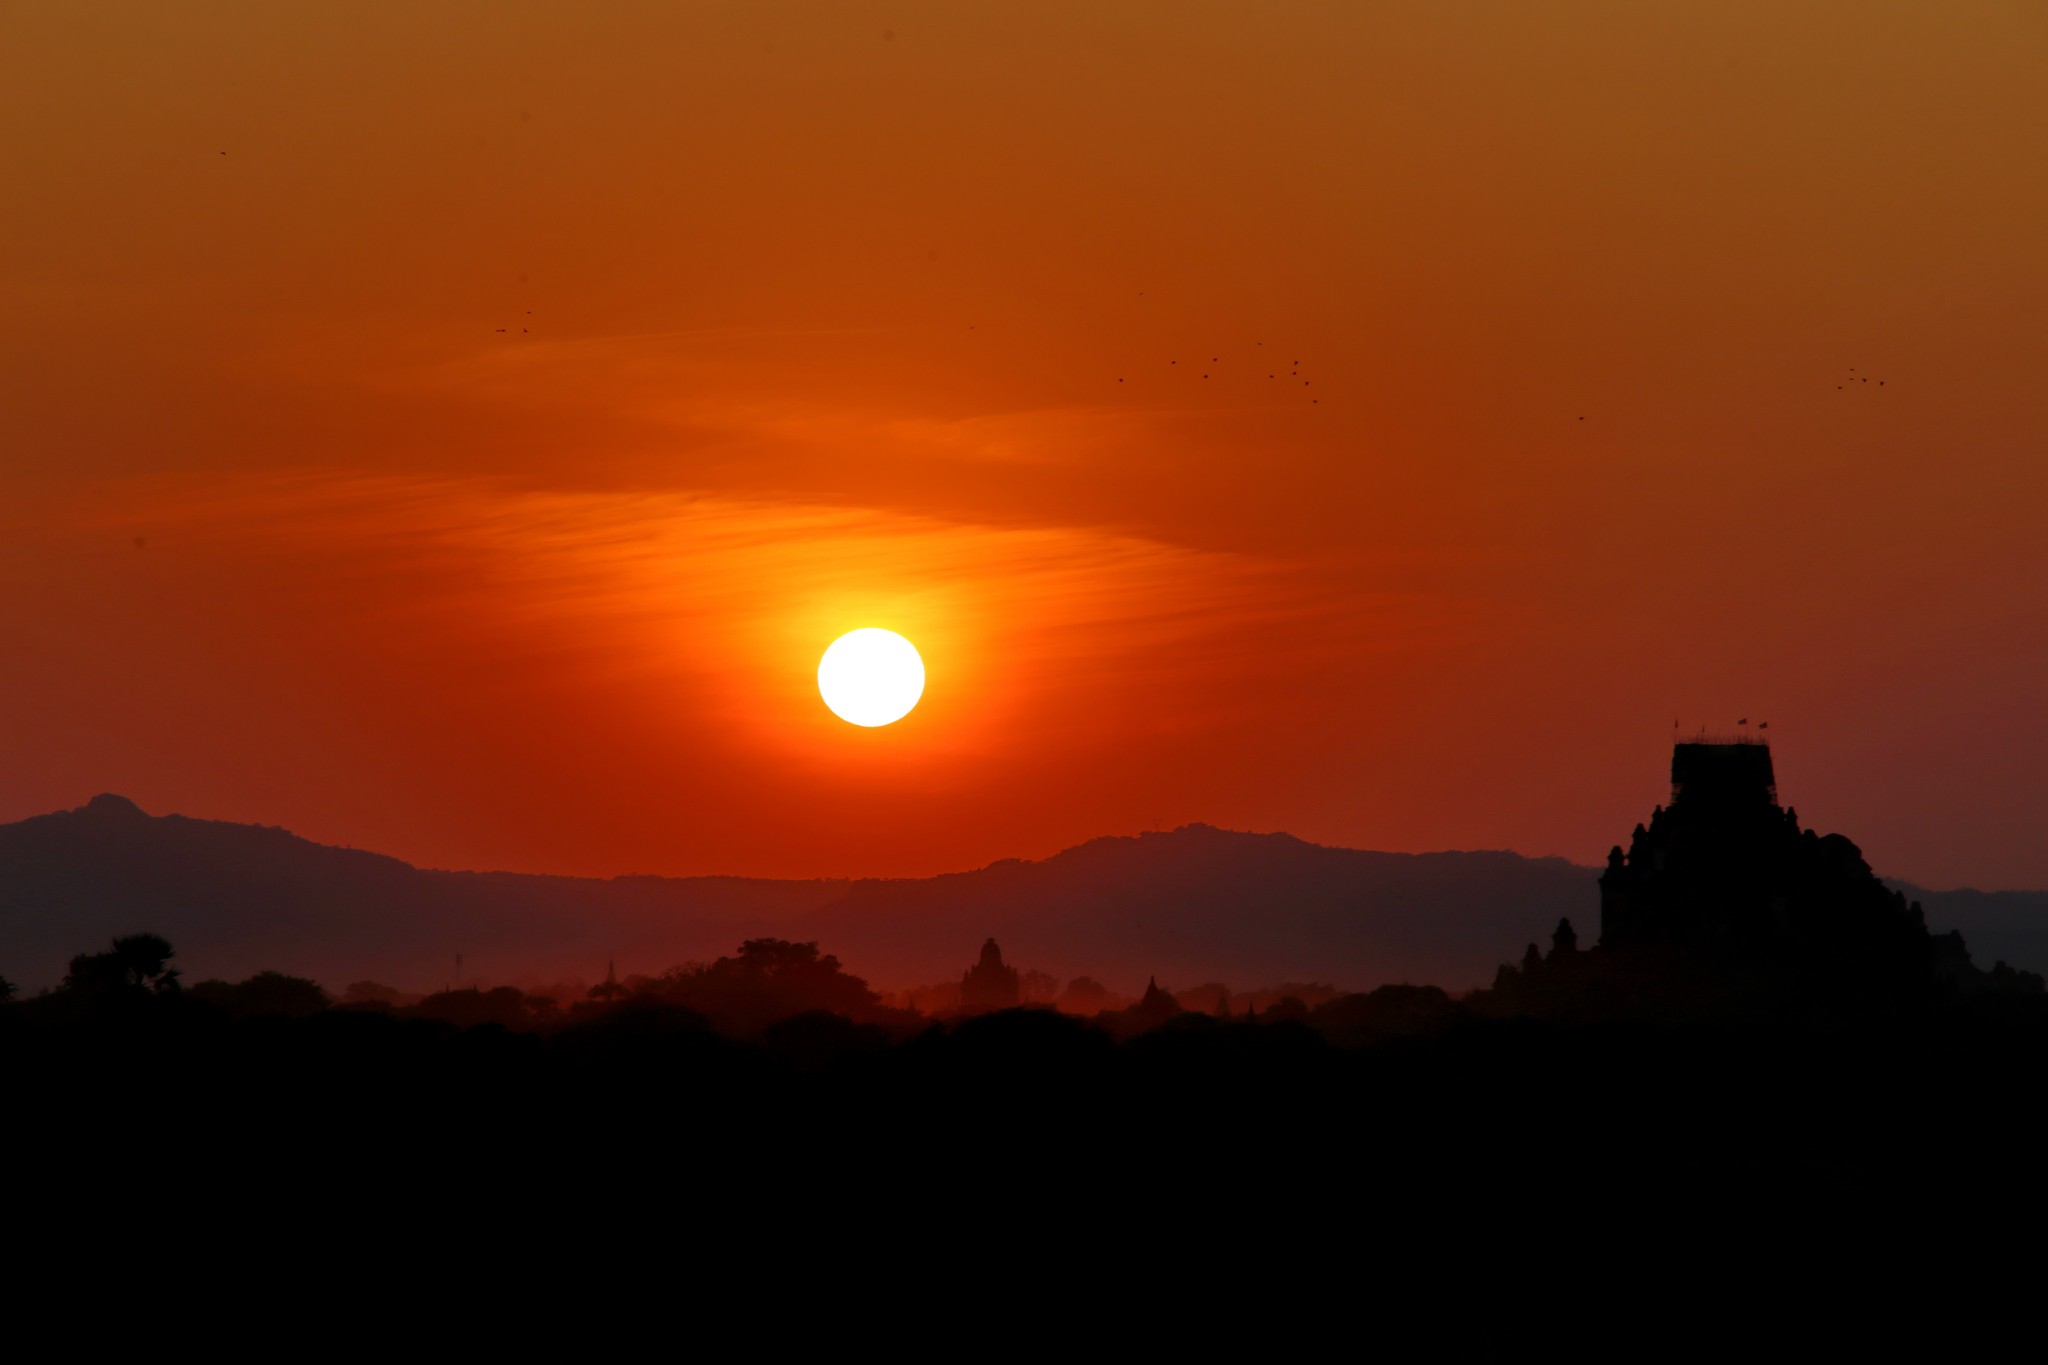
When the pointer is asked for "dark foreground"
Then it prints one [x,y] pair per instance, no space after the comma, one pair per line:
[1330,1143]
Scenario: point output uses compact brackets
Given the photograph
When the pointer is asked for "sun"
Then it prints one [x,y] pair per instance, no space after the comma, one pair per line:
[871,677]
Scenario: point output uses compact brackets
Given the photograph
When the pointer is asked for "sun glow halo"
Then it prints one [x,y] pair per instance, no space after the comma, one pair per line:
[871,677]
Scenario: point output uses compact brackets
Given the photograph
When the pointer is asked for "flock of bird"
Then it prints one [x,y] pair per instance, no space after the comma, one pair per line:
[1294,370]
[1294,366]
[1273,376]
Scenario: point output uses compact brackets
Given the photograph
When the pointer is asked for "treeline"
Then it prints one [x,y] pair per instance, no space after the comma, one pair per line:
[767,982]
[772,1091]
[1086,996]
[741,997]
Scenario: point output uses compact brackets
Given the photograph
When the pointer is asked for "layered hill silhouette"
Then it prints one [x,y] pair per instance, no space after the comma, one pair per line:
[1204,904]
[1198,904]
[1999,926]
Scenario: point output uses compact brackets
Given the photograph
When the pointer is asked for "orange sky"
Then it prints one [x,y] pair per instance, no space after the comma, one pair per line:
[827,315]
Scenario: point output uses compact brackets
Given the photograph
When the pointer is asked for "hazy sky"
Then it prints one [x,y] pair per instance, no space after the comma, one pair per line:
[456,429]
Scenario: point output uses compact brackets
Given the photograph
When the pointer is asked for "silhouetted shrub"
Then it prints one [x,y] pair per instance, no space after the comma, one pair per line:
[1085,995]
[504,1006]
[294,997]
[375,995]
[136,962]
[769,979]
[1388,1012]
[1287,1008]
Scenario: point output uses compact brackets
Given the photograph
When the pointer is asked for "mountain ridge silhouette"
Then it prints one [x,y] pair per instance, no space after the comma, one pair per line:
[1196,904]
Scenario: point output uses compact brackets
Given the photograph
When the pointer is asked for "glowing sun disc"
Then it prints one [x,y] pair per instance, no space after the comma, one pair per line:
[871,677]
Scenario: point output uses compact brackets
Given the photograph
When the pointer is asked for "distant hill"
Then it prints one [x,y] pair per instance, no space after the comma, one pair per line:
[236,899]
[1204,904]
[1198,904]
[1998,926]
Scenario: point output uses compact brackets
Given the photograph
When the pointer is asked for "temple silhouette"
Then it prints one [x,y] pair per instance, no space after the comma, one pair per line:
[990,984]
[1724,870]
[1723,894]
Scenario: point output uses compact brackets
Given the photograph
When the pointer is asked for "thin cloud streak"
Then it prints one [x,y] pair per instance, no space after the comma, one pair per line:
[682,583]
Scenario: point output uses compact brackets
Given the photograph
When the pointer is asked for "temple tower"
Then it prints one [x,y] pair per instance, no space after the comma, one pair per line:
[1725,872]
[990,984]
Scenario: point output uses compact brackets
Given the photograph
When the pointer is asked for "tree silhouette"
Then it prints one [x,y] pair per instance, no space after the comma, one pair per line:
[1084,995]
[1038,988]
[266,993]
[373,994]
[135,962]
[767,980]
[1211,997]
[467,1007]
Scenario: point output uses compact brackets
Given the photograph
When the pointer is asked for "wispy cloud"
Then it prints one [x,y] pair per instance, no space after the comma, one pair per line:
[713,586]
